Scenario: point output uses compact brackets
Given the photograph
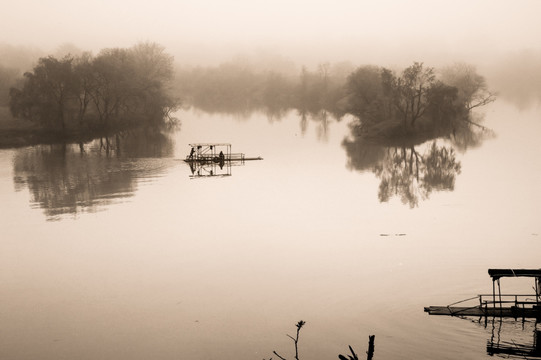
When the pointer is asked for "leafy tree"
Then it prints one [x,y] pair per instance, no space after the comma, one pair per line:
[377,94]
[111,86]
[472,87]
[83,77]
[410,92]
[46,93]
[115,89]
[442,107]
[153,71]
[414,86]
[415,102]
[365,96]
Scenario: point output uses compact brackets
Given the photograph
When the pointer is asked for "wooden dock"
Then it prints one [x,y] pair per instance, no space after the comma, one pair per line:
[512,312]
[498,304]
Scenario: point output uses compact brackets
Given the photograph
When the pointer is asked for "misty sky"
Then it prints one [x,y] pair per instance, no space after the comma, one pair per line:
[319,28]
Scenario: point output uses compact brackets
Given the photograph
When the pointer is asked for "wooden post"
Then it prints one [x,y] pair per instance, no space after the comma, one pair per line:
[493,293]
[500,295]
[538,290]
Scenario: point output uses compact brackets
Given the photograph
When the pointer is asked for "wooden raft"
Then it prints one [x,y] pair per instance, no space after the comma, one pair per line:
[498,304]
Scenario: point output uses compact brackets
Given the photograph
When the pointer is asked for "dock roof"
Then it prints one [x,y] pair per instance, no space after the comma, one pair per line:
[209,144]
[495,274]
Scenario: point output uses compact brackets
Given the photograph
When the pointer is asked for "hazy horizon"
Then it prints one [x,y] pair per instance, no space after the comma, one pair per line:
[210,32]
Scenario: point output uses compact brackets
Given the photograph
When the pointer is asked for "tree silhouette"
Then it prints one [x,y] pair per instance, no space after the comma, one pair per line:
[119,88]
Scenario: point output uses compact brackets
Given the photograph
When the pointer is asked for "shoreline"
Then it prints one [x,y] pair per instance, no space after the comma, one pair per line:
[17,133]
[17,137]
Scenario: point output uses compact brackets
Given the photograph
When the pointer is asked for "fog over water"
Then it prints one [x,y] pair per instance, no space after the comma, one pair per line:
[306,31]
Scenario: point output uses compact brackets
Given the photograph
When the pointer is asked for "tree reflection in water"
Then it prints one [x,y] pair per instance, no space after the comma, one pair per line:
[412,176]
[413,167]
[70,179]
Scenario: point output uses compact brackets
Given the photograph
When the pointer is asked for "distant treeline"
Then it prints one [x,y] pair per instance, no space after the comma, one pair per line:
[385,102]
[129,87]
[517,77]
[118,88]
[235,87]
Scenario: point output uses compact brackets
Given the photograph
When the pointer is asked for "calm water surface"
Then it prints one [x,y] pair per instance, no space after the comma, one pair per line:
[122,255]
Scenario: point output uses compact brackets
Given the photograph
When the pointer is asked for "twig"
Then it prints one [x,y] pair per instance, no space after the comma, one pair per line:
[299,325]
[275,353]
[474,123]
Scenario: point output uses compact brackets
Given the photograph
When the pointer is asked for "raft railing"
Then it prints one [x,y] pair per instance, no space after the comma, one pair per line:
[489,300]
[517,300]
[210,156]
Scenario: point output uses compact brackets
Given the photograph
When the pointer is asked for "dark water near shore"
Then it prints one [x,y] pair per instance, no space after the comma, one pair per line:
[119,254]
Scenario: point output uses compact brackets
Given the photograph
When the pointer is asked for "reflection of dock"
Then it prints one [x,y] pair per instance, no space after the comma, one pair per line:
[514,349]
[498,304]
[512,344]
[214,159]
